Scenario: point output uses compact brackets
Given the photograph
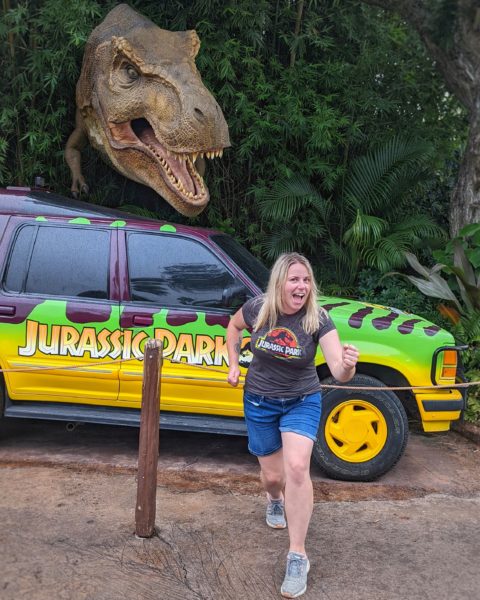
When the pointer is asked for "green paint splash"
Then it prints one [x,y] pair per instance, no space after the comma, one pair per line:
[80,221]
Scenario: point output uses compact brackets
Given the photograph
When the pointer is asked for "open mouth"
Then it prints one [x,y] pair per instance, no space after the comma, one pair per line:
[178,169]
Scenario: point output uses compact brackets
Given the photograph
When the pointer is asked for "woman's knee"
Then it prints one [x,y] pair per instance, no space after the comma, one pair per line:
[273,478]
[298,472]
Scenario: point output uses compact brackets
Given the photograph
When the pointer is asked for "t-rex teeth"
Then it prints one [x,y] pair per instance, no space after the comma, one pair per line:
[177,183]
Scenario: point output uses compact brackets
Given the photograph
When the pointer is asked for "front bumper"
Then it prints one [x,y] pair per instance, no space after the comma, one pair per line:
[439,408]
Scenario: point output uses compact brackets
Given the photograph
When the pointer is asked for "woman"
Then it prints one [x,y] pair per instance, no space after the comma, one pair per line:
[282,400]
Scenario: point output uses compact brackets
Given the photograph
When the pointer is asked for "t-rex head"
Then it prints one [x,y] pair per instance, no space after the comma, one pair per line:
[144,105]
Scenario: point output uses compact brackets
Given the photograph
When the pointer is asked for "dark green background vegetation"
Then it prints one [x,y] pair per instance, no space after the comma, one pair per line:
[345,142]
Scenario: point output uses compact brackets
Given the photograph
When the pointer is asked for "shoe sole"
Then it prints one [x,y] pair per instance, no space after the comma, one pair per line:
[276,526]
[287,595]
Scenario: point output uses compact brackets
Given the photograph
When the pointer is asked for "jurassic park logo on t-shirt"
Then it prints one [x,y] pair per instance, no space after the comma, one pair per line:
[281,342]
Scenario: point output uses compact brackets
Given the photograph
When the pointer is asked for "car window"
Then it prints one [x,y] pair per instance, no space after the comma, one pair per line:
[59,261]
[250,265]
[14,279]
[175,271]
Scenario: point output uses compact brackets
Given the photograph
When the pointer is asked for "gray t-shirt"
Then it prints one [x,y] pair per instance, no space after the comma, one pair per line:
[283,357]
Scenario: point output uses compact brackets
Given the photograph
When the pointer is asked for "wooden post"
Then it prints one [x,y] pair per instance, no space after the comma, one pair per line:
[149,438]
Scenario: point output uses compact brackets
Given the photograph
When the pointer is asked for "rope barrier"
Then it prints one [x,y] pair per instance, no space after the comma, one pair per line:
[223,372]
[350,387]
[66,367]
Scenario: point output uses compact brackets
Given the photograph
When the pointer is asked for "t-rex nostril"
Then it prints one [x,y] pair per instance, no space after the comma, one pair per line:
[199,114]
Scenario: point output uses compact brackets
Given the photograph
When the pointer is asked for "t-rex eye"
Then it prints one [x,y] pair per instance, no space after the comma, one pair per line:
[131,72]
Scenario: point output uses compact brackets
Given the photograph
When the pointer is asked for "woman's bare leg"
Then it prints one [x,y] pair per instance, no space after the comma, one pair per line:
[297,451]
[272,474]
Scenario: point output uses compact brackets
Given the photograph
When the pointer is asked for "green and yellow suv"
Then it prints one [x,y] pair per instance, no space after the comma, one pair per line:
[83,288]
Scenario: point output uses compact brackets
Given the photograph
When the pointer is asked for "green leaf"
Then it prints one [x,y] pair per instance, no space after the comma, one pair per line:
[469,230]
[474,257]
[436,287]
[365,230]
[287,197]
[415,264]
[461,261]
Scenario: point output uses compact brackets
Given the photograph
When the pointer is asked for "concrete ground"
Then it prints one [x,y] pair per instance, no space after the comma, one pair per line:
[67,514]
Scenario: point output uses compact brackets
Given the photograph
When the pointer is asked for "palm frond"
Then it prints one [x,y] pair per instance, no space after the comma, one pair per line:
[365,230]
[382,174]
[280,241]
[288,196]
[386,254]
[420,226]
[470,326]
[346,261]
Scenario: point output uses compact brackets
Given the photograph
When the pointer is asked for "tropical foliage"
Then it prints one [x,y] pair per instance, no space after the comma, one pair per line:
[364,222]
[456,281]
[42,46]
[460,262]
[306,87]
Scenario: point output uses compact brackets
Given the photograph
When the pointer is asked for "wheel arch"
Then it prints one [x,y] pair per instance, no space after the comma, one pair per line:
[388,376]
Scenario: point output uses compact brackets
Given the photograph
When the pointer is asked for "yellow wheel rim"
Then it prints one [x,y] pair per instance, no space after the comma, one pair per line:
[356,431]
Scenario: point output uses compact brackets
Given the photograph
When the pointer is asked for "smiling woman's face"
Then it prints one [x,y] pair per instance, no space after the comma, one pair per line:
[296,289]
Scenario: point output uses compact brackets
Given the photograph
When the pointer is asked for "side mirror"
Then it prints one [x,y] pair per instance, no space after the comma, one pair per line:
[234,295]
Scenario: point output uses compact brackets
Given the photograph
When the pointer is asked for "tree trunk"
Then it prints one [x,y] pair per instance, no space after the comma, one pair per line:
[465,202]
[298,25]
[458,61]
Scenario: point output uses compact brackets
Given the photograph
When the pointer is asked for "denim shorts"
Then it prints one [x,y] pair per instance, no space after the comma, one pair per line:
[268,417]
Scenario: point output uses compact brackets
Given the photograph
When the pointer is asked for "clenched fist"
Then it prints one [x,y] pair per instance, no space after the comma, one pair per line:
[233,375]
[349,356]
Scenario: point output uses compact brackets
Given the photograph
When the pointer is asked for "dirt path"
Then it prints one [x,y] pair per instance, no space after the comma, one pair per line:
[68,535]
[445,463]
[67,522]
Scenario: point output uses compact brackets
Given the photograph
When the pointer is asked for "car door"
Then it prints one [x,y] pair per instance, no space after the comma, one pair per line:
[58,326]
[176,292]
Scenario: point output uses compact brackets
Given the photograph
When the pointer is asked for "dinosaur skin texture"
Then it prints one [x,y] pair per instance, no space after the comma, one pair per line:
[142,103]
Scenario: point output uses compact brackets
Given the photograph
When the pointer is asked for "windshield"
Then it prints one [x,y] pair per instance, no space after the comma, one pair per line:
[250,265]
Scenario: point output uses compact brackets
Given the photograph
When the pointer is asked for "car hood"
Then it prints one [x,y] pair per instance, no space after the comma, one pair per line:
[363,319]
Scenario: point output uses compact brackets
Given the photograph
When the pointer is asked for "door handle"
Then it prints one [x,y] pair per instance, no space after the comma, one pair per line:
[142,320]
[7,310]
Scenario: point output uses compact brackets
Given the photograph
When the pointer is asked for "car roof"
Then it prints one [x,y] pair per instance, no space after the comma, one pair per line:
[28,201]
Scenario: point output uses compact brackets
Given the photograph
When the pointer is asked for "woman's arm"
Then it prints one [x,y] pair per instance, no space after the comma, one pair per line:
[234,342]
[341,360]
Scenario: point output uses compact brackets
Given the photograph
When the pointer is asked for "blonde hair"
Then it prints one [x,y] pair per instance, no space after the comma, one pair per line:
[272,299]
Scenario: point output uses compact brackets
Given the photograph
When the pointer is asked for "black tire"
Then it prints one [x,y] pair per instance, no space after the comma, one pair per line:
[362,434]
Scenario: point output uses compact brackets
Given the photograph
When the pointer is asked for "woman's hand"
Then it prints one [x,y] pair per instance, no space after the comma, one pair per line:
[349,357]
[233,375]
[234,342]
